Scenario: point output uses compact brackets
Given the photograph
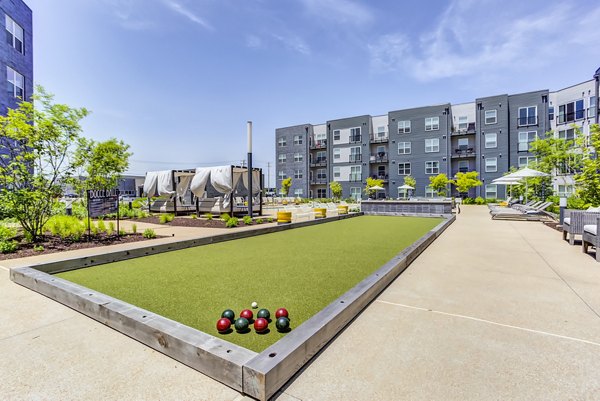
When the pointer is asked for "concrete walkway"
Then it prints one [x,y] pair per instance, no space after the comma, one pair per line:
[491,310]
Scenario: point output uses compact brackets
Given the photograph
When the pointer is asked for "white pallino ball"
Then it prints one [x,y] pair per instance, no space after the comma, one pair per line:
[254,305]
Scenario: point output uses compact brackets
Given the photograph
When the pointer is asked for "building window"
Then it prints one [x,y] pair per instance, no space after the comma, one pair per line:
[281,175]
[491,191]
[463,143]
[355,155]
[321,156]
[593,107]
[432,145]
[298,192]
[568,134]
[355,173]
[336,173]
[14,34]
[337,154]
[336,135]
[298,157]
[430,192]
[355,134]
[404,127]
[404,148]
[321,174]
[321,193]
[355,193]
[282,141]
[491,116]
[525,139]
[297,139]
[551,113]
[491,140]
[571,111]
[298,174]
[432,123]
[527,116]
[282,158]
[432,167]
[463,123]
[491,165]
[403,168]
[525,160]
[381,132]
[463,166]
[565,190]
[16,83]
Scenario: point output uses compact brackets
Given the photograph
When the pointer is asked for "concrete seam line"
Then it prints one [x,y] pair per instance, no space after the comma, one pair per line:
[37,328]
[476,319]
[4,268]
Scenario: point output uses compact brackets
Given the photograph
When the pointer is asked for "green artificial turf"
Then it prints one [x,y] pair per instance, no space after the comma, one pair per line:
[303,270]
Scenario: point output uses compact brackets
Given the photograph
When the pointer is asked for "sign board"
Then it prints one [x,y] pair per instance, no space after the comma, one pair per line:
[102,202]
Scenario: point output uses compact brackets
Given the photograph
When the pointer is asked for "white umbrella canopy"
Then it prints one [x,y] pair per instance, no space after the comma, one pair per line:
[507,181]
[377,188]
[526,173]
[405,186]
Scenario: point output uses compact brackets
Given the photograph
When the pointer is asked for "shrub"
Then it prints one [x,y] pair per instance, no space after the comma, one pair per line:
[468,201]
[122,233]
[66,227]
[8,246]
[111,228]
[225,217]
[479,201]
[259,221]
[208,216]
[247,220]
[194,217]
[134,228]
[7,233]
[136,204]
[269,219]
[101,227]
[149,233]
[354,210]
[232,222]
[163,219]
[575,202]
[38,248]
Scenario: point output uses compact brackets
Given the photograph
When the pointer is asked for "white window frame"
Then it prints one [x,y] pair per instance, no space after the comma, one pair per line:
[297,139]
[404,148]
[298,192]
[562,134]
[463,162]
[355,192]
[432,123]
[491,144]
[565,191]
[404,127]
[381,131]
[519,124]
[593,107]
[298,174]
[337,173]
[462,143]
[321,174]
[489,167]
[432,145]
[525,160]
[432,167]
[494,117]
[282,141]
[14,77]
[463,123]
[336,134]
[337,154]
[298,157]
[520,141]
[17,34]
[406,168]
[430,192]
[354,174]
[282,158]
[281,175]
[488,190]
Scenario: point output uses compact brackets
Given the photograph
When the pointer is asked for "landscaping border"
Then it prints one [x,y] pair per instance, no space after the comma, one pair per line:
[257,375]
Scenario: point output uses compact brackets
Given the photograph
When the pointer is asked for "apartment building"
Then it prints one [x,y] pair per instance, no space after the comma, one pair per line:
[490,136]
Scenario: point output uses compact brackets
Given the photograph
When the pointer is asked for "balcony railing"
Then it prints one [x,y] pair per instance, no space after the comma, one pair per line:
[318,181]
[355,178]
[378,158]
[320,144]
[463,152]
[379,139]
[318,162]
[526,121]
[355,138]
[470,130]
[570,117]
[384,177]
[355,158]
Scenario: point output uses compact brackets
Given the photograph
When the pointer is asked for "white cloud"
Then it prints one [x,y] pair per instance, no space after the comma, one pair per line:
[293,42]
[340,11]
[254,41]
[464,42]
[189,14]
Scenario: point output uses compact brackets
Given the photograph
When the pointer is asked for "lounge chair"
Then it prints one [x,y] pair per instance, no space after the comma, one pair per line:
[528,214]
[574,222]
[206,205]
[591,238]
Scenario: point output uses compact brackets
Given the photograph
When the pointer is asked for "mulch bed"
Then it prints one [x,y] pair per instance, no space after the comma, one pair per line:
[55,244]
[553,224]
[189,222]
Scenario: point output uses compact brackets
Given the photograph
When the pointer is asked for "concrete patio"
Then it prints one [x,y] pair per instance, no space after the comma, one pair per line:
[491,310]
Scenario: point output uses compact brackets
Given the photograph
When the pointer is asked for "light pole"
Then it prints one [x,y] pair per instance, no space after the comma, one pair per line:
[249,125]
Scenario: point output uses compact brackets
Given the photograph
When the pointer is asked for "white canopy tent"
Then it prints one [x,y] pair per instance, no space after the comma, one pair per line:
[172,189]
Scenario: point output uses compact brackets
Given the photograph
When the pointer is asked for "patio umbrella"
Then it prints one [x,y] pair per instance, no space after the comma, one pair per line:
[406,187]
[507,181]
[526,173]
[377,188]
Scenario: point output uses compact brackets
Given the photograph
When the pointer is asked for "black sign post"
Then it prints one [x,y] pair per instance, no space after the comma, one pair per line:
[102,202]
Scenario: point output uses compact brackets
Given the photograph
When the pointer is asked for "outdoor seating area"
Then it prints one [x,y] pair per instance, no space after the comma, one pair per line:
[590,237]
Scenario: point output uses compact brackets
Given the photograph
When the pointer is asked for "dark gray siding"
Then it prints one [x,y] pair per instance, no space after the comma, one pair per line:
[290,149]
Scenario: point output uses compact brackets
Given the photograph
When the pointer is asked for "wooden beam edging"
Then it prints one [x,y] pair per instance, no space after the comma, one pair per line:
[257,375]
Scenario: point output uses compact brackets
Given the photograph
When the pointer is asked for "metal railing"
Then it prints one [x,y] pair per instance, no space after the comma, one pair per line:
[525,121]
[355,178]
[378,158]
[320,144]
[318,162]
[379,139]
[355,158]
[355,138]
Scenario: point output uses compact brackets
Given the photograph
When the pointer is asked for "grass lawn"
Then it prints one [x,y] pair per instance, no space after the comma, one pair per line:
[303,270]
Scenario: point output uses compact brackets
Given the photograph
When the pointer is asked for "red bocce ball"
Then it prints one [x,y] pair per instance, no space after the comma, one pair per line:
[247,314]
[281,312]
[223,325]
[261,324]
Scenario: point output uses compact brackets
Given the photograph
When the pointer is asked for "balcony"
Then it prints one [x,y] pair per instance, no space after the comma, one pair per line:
[379,139]
[355,178]
[355,158]
[527,121]
[318,162]
[470,130]
[384,177]
[463,153]
[570,117]
[318,181]
[320,144]
[380,157]
[355,138]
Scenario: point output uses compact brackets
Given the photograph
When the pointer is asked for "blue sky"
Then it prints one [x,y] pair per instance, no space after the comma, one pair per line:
[178,79]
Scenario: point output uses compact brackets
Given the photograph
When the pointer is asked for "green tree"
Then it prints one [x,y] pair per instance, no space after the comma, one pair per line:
[285,186]
[372,182]
[465,181]
[588,179]
[439,183]
[336,189]
[103,163]
[35,158]
[410,180]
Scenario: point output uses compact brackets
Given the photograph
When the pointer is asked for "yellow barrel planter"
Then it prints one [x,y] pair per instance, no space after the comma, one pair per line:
[342,209]
[320,212]
[284,217]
